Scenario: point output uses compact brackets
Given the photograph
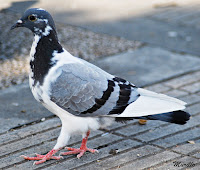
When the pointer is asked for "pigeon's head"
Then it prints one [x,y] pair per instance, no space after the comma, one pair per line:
[38,20]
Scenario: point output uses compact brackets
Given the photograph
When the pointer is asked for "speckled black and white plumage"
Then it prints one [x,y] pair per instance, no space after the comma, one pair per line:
[82,95]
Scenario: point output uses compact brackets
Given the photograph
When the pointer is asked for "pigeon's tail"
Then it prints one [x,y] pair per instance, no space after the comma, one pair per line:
[177,117]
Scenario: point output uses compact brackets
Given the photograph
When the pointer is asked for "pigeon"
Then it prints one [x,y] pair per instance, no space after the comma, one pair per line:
[82,95]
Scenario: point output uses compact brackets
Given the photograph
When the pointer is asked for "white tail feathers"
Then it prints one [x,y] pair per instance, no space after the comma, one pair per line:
[151,103]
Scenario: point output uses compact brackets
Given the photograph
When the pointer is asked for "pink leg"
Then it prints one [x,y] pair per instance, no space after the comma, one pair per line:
[80,150]
[43,158]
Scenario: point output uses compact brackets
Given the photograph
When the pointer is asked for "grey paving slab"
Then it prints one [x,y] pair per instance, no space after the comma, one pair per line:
[148,65]
[192,89]
[191,99]
[196,167]
[178,138]
[159,88]
[183,80]
[194,109]
[151,160]
[187,148]
[180,163]
[197,155]
[176,93]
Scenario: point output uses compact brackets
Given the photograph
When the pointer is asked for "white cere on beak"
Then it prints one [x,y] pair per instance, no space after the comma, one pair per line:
[19,21]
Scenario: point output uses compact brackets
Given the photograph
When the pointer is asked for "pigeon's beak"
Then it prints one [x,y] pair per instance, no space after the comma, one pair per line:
[19,23]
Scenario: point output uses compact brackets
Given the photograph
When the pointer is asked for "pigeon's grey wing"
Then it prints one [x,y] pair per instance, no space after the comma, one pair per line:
[83,89]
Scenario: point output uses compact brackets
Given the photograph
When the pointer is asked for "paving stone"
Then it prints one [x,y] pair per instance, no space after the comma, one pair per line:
[151,160]
[29,130]
[180,163]
[197,155]
[92,158]
[197,167]
[194,109]
[190,99]
[183,80]
[160,132]
[29,141]
[136,128]
[176,93]
[187,148]
[178,138]
[195,87]
[159,88]
[128,156]
[14,158]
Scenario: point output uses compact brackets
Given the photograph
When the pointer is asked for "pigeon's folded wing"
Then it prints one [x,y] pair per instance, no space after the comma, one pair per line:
[79,86]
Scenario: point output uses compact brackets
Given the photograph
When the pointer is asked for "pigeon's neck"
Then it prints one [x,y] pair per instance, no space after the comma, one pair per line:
[42,51]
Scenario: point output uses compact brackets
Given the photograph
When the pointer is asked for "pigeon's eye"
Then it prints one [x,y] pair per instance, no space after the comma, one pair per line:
[32,18]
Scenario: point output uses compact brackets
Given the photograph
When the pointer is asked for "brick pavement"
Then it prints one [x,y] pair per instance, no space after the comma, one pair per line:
[155,145]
